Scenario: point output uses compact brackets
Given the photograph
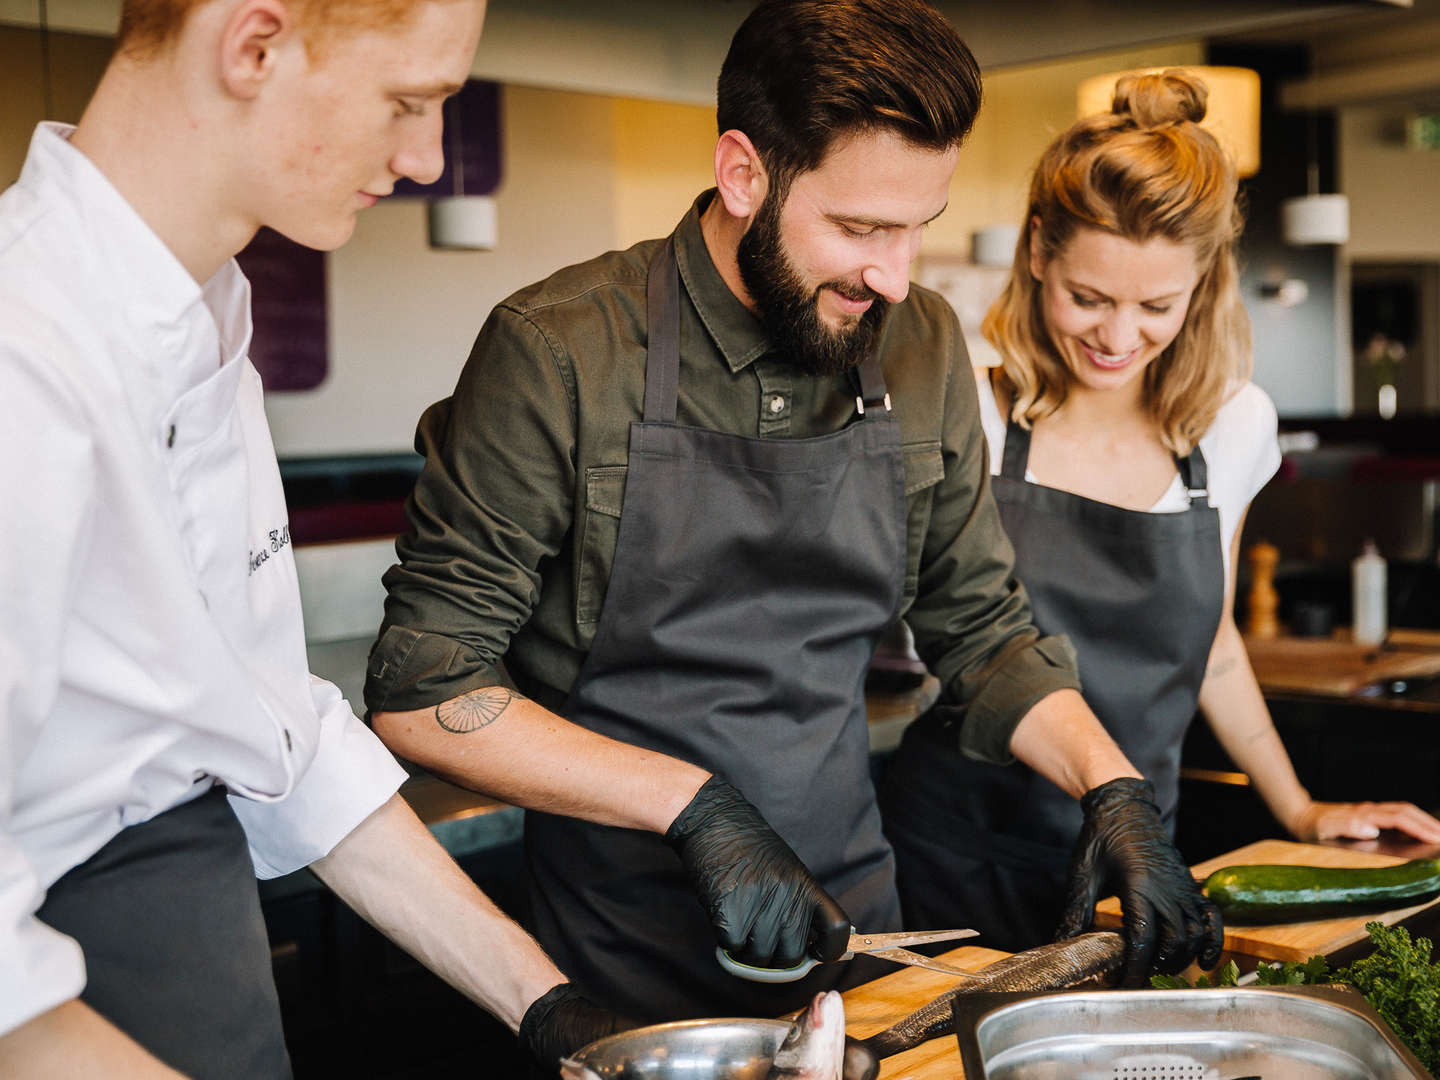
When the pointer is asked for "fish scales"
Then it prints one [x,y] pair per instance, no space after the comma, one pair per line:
[1058,966]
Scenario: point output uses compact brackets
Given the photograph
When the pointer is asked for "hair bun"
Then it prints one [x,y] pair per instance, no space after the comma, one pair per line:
[1158,98]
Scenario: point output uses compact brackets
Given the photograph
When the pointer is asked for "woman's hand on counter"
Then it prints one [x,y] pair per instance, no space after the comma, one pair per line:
[1363,821]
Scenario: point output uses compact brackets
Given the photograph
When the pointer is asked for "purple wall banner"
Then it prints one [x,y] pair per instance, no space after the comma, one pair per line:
[291,345]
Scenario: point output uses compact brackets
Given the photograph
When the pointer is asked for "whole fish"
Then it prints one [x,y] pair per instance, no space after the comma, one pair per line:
[1089,957]
[814,1047]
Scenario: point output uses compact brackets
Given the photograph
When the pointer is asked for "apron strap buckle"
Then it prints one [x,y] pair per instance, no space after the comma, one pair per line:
[860,403]
[1199,493]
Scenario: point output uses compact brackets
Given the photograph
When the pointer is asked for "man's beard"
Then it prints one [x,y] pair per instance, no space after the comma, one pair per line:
[790,311]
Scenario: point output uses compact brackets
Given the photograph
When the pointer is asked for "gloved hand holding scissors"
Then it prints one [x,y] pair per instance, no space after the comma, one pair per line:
[1124,847]
[766,907]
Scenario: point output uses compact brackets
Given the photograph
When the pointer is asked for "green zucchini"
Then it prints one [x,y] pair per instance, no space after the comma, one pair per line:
[1272,894]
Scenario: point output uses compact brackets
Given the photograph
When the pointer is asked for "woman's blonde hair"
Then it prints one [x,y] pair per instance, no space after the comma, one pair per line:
[1145,169]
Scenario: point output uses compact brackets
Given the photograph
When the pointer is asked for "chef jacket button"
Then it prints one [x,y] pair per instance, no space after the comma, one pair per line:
[170,438]
[777,404]
[288,744]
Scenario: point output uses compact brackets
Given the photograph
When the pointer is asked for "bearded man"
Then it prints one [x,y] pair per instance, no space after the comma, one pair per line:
[681,491]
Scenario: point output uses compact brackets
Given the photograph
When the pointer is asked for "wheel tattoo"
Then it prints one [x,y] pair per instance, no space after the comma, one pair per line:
[472,711]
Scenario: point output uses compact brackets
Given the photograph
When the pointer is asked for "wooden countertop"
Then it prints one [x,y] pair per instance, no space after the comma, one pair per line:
[1337,667]
[877,1005]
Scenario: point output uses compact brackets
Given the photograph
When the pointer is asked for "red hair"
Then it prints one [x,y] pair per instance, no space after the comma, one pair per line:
[146,26]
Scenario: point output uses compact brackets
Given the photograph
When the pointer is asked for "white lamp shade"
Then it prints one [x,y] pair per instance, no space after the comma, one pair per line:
[1232,110]
[1316,219]
[994,245]
[463,222]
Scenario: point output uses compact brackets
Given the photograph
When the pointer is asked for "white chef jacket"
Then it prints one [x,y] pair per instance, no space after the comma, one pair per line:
[150,630]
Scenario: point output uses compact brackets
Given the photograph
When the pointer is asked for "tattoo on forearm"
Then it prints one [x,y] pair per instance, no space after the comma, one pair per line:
[1223,666]
[472,711]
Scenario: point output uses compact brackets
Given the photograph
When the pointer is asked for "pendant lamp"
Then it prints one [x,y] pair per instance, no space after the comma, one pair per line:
[1232,109]
[1313,218]
[460,222]
[994,245]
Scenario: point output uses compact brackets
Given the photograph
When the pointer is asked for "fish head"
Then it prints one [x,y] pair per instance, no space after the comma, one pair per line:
[814,1047]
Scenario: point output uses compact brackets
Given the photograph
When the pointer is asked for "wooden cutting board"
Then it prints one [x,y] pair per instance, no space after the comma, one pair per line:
[1290,941]
[1336,665]
[877,1005]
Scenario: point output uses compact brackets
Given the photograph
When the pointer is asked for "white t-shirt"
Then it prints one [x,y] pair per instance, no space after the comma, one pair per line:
[150,630]
[1241,451]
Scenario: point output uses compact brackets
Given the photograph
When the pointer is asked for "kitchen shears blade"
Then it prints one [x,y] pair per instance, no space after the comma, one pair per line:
[885,946]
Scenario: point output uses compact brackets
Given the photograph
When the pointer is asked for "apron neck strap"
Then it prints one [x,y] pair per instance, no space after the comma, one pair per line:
[1194,475]
[1017,452]
[1193,471]
[868,380]
[662,350]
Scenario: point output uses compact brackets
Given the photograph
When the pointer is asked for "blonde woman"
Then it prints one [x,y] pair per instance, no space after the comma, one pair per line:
[1126,442]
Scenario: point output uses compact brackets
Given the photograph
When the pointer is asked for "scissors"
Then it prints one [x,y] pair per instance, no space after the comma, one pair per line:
[885,946]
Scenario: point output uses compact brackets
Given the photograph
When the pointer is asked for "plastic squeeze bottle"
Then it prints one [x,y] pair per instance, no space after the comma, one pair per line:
[1367,593]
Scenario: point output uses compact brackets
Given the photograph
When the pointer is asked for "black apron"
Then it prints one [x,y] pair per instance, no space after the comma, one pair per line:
[176,954]
[752,579]
[1140,596]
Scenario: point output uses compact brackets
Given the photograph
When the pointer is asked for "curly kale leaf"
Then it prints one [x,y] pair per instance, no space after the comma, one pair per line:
[1402,984]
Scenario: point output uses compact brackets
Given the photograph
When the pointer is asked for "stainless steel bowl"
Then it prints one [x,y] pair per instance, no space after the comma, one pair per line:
[729,1049]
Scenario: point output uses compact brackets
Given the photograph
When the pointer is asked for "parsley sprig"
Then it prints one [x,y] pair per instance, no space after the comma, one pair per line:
[1402,984]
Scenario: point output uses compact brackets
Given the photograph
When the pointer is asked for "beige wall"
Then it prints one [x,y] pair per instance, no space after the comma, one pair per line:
[1394,192]
[76,61]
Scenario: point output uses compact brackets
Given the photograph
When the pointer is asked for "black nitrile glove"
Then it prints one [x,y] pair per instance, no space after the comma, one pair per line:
[1123,848]
[766,907]
[561,1022]
[860,1061]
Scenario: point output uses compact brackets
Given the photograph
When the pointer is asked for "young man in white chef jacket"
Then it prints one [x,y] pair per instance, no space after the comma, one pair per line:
[161,740]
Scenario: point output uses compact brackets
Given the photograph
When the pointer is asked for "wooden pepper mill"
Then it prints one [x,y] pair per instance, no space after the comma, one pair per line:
[1262,620]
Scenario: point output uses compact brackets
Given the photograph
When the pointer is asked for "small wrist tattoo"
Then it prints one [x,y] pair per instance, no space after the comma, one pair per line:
[474,710]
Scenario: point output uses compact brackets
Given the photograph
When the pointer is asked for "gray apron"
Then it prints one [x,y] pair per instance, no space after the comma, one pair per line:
[1140,596]
[752,579]
[176,955]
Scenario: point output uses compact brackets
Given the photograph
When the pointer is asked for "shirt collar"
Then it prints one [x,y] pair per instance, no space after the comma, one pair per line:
[736,331]
[196,328]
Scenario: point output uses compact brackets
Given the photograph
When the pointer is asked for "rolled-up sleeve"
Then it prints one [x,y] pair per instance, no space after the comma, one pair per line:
[971,618]
[350,777]
[494,499]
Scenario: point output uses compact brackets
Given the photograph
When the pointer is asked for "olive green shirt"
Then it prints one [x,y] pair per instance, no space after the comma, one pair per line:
[514,517]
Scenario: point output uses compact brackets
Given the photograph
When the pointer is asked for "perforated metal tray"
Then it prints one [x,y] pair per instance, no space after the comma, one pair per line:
[1244,1033]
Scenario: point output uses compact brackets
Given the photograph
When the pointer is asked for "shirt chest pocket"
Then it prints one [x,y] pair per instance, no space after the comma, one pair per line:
[598,531]
[924,469]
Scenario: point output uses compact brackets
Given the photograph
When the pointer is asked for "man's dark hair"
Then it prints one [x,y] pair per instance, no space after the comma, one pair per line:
[802,73]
